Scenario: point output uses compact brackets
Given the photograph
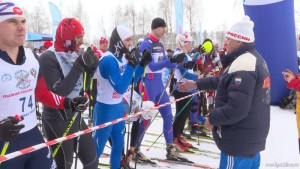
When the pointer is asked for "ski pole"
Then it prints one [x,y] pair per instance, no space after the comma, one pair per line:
[80,118]
[179,82]
[173,120]
[198,119]
[167,84]
[139,119]
[6,144]
[149,124]
[130,107]
[91,108]
[64,134]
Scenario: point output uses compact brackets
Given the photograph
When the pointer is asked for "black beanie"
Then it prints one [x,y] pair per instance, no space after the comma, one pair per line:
[158,22]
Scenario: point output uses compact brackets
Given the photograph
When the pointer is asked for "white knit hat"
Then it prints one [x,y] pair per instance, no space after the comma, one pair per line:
[124,32]
[242,30]
[10,10]
[183,39]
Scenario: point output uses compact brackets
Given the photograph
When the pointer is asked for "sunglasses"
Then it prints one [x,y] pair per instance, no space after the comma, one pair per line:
[190,42]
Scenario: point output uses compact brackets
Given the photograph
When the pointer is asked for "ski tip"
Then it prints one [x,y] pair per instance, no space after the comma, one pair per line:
[147,149]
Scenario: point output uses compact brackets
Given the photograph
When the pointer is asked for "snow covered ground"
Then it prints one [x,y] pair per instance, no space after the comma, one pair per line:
[281,149]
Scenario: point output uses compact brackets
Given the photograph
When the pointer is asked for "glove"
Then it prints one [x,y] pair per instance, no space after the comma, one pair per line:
[9,130]
[189,65]
[87,60]
[78,104]
[132,60]
[177,58]
[148,115]
[146,58]
[206,46]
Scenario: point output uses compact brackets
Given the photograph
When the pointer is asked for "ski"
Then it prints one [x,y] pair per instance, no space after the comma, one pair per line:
[204,151]
[148,161]
[201,141]
[105,155]
[151,163]
[203,137]
[103,165]
[192,148]
[182,163]
[188,152]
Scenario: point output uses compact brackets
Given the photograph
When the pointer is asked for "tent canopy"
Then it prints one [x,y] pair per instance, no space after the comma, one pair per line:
[38,37]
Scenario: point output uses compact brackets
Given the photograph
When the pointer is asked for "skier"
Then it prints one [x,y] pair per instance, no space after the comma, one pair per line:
[103,46]
[63,71]
[115,75]
[21,85]
[184,42]
[154,85]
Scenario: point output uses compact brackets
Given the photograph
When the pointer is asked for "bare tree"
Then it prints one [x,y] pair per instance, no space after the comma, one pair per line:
[192,11]
[117,15]
[80,14]
[205,34]
[37,20]
[131,18]
[167,9]
[144,20]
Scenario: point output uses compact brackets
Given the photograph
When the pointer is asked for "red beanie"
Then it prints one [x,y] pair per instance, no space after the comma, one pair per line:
[103,40]
[66,31]
[48,44]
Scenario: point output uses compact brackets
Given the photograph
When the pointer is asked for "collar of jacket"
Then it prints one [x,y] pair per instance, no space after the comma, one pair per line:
[228,59]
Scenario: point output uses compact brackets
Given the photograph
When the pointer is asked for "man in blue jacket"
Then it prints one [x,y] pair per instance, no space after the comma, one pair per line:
[241,119]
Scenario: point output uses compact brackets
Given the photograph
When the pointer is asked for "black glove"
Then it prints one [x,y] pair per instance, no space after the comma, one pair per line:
[78,104]
[131,58]
[87,60]
[189,65]
[146,58]
[177,58]
[9,130]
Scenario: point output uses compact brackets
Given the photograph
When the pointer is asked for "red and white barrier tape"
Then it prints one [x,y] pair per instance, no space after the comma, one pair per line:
[70,136]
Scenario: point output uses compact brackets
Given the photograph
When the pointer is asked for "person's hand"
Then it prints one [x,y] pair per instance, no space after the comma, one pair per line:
[146,58]
[77,104]
[9,128]
[132,60]
[288,75]
[289,71]
[87,60]
[208,126]
[187,85]
[177,58]
[189,65]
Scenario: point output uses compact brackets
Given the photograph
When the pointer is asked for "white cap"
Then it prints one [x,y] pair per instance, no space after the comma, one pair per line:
[140,40]
[183,39]
[10,10]
[242,30]
[124,32]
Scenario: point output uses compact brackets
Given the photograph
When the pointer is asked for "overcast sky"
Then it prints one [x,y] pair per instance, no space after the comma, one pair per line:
[215,14]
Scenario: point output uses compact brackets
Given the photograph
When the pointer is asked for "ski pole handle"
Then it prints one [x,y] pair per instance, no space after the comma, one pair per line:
[6,144]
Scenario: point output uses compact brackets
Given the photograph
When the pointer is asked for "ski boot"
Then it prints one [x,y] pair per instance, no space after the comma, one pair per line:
[142,158]
[183,142]
[179,147]
[124,164]
[173,155]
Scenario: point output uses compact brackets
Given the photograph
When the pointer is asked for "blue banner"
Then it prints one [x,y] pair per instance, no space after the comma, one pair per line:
[179,16]
[200,32]
[275,39]
[56,18]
